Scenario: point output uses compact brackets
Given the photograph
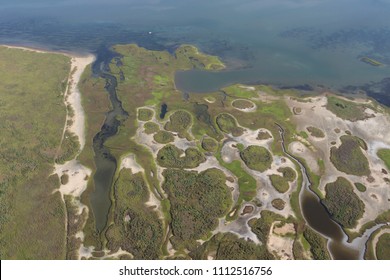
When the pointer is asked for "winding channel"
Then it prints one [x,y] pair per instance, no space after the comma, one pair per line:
[105,162]
[318,218]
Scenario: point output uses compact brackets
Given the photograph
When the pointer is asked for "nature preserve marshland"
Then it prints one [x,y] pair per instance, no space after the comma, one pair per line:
[160,134]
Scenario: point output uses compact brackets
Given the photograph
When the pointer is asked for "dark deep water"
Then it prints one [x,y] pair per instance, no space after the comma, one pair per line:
[105,163]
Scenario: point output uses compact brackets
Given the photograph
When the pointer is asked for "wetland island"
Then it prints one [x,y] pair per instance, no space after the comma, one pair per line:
[104,158]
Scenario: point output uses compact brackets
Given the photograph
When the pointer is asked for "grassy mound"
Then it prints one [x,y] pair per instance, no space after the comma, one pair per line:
[349,157]
[145,114]
[170,156]
[227,123]
[278,203]
[263,135]
[288,173]
[342,203]
[179,122]
[360,187]
[257,158]
[209,144]
[163,137]
[316,132]
[279,183]
[151,127]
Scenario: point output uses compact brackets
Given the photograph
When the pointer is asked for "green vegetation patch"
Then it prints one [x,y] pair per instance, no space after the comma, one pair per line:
[209,144]
[318,244]
[383,247]
[349,157]
[145,114]
[257,158]
[163,137]
[243,104]
[227,123]
[279,183]
[179,122]
[346,110]
[315,132]
[151,127]
[197,201]
[288,173]
[261,227]
[278,203]
[360,187]
[264,135]
[32,119]
[170,156]
[342,203]
[64,179]
[384,154]
[136,228]
[227,246]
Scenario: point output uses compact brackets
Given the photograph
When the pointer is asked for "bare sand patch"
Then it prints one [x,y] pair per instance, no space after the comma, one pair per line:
[281,247]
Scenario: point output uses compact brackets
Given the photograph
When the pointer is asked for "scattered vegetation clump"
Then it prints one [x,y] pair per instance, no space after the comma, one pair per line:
[227,246]
[318,246]
[346,110]
[227,123]
[360,187]
[288,173]
[151,127]
[170,156]
[242,104]
[384,154]
[197,201]
[179,122]
[278,203]
[261,227]
[349,157]
[209,144]
[263,135]
[279,183]
[315,132]
[163,137]
[136,228]
[257,158]
[383,247]
[69,148]
[342,203]
[64,179]
[145,114]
